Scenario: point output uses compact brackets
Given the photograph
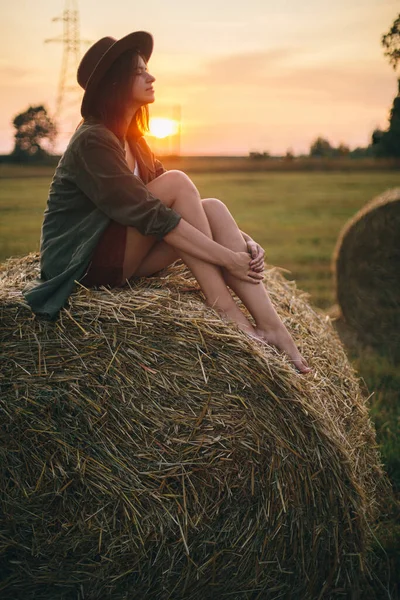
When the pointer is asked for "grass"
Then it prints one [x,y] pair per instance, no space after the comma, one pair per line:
[297,217]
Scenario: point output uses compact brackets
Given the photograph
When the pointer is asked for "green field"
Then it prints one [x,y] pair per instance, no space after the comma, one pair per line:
[297,217]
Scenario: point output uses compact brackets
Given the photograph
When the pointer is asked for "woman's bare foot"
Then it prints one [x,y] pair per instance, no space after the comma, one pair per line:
[282,340]
[233,314]
[277,336]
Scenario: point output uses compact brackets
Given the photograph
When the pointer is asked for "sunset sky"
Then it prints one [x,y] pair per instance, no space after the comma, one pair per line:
[247,74]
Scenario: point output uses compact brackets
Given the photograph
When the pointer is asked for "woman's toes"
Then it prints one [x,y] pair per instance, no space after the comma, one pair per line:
[302,366]
[282,340]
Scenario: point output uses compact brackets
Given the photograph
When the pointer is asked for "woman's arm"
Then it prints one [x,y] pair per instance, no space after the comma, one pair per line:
[102,174]
[187,238]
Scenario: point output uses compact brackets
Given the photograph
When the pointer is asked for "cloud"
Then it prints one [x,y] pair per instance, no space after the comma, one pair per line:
[14,76]
[249,67]
[364,84]
[285,71]
[233,69]
[12,72]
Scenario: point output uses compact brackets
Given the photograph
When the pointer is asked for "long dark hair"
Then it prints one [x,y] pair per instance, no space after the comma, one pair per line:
[113,96]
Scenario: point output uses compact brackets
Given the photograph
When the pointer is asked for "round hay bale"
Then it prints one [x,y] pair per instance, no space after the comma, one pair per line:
[150,450]
[367,272]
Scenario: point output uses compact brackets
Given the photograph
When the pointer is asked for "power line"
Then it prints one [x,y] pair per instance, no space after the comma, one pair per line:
[68,88]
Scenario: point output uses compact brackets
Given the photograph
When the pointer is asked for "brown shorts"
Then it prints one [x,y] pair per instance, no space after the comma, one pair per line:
[107,263]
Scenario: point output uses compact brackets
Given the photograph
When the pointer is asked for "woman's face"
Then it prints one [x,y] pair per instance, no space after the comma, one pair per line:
[142,89]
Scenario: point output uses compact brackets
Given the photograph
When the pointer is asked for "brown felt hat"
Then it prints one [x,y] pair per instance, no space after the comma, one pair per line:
[99,58]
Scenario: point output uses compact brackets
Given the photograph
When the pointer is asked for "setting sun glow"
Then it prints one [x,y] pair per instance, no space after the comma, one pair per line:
[161,128]
[271,78]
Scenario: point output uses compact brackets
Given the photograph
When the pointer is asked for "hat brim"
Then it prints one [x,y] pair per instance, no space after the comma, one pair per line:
[139,40]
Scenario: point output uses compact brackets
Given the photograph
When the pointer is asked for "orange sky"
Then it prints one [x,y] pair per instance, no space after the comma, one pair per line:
[247,75]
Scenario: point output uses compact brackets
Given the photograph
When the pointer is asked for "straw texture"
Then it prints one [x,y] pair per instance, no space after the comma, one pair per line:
[367,268]
[149,450]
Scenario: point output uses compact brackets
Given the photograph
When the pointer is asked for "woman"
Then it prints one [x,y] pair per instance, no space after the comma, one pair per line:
[113,212]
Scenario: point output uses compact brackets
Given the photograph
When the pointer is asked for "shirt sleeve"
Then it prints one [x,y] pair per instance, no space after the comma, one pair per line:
[104,177]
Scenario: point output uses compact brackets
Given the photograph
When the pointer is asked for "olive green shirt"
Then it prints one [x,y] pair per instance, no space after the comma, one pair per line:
[91,186]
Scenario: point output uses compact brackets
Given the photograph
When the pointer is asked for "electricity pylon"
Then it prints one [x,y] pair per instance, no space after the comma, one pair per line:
[70,38]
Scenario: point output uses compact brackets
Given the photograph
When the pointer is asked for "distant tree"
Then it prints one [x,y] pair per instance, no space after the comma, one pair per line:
[360,152]
[377,136]
[33,127]
[259,155]
[321,148]
[376,147]
[391,43]
[389,144]
[289,156]
[342,150]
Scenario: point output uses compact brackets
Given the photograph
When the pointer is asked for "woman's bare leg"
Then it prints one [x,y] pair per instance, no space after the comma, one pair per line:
[144,255]
[177,191]
[256,299]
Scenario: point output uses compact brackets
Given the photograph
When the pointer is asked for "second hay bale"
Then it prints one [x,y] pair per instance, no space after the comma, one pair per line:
[367,272]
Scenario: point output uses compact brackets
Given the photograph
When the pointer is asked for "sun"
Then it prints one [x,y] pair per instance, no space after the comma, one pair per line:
[162,128]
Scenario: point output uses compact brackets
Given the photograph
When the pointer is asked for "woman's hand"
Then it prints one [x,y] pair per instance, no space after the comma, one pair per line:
[240,267]
[257,255]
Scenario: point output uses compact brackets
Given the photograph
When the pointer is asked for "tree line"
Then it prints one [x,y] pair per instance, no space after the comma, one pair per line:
[36,132]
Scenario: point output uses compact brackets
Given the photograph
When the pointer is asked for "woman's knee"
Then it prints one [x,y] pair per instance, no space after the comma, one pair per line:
[215,207]
[180,181]
[173,185]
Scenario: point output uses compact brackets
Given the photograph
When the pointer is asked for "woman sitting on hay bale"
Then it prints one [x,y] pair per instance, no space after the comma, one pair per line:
[114,212]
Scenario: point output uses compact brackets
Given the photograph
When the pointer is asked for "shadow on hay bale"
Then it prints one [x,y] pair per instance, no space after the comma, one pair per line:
[367,272]
[150,450]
